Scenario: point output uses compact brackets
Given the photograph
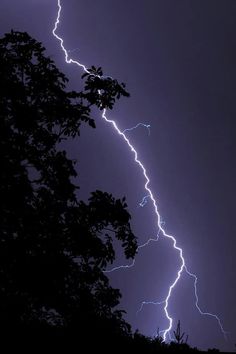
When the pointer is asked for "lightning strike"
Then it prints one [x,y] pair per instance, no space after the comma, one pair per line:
[149,303]
[182,267]
[148,126]
[126,266]
[144,201]
[197,305]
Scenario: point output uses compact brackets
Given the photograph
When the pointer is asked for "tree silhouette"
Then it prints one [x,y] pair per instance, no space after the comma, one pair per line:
[53,247]
[179,336]
[180,344]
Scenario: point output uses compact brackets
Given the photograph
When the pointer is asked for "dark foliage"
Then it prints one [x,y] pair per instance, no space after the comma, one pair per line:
[53,247]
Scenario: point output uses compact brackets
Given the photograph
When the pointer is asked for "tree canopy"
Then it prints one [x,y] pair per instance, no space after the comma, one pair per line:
[53,247]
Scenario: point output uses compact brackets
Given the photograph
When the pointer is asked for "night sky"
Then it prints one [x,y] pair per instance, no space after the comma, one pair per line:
[178,59]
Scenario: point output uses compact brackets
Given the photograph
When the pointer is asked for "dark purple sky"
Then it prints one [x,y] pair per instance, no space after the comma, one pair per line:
[177,58]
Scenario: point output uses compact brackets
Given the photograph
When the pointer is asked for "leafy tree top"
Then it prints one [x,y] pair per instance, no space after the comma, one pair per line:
[53,247]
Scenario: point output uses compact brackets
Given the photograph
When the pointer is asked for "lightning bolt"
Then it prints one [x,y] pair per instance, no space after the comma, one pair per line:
[148,126]
[150,303]
[198,307]
[144,201]
[179,250]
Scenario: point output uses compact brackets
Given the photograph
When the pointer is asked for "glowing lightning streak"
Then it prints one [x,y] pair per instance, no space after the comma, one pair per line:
[136,159]
[148,126]
[149,303]
[197,305]
[146,186]
[68,61]
[144,201]
[127,266]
